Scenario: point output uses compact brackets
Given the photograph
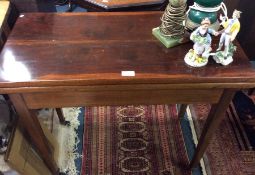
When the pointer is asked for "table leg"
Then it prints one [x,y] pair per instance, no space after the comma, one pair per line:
[61,117]
[70,6]
[216,114]
[182,110]
[251,91]
[32,126]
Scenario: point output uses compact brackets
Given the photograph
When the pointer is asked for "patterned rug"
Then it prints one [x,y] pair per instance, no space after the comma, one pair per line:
[245,111]
[225,154]
[144,140]
[134,140]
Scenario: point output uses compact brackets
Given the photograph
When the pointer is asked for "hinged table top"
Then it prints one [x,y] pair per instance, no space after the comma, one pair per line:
[73,49]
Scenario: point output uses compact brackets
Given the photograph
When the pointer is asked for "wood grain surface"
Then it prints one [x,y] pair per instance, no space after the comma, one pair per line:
[47,62]
[123,3]
[119,97]
[98,46]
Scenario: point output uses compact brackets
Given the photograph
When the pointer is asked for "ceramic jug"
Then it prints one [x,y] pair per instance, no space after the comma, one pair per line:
[203,9]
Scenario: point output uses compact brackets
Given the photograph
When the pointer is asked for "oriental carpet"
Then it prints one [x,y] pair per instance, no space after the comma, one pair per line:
[226,153]
[134,140]
[144,140]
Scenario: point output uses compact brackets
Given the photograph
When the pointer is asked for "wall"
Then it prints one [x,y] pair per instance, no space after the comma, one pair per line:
[246,36]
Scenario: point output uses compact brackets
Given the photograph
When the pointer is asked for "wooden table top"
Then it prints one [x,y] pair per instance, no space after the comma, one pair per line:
[73,49]
[109,4]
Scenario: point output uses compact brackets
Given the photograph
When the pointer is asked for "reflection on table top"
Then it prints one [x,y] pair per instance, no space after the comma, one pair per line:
[93,48]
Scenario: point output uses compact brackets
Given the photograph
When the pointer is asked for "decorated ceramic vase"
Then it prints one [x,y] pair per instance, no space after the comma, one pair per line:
[203,9]
[208,3]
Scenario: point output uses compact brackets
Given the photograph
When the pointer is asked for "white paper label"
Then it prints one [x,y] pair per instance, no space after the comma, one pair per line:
[128,73]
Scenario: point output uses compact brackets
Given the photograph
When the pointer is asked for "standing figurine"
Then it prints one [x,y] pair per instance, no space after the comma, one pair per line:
[231,28]
[198,56]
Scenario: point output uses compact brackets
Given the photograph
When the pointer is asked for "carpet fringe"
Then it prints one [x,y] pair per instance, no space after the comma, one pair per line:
[68,147]
[195,139]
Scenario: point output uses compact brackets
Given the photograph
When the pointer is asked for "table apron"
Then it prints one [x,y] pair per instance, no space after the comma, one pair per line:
[37,100]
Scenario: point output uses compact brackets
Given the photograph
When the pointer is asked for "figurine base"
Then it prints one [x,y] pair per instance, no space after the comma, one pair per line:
[221,59]
[167,41]
[193,60]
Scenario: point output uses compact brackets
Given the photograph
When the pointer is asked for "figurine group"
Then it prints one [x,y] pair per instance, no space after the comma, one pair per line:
[198,56]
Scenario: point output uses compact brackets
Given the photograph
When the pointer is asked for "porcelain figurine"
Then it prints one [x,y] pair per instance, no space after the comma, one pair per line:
[228,35]
[198,56]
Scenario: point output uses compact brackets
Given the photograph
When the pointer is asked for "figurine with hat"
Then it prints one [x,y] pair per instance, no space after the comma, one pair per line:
[198,56]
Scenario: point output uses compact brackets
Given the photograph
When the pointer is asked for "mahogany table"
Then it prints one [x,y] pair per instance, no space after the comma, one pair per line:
[120,5]
[46,63]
